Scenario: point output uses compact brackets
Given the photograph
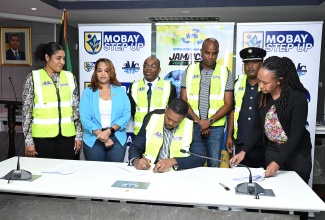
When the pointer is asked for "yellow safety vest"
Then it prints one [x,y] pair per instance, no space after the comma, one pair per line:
[239,92]
[155,135]
[217,90]
[51,114]
[159,99]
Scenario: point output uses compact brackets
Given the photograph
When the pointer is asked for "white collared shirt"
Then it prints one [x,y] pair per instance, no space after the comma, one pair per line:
[15,51]
[154,83]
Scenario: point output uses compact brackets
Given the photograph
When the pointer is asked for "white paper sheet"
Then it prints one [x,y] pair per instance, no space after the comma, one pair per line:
[67,168]
[242,174]
[133,170]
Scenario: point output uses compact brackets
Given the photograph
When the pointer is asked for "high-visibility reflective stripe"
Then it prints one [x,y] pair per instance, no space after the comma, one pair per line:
[70,81]
[167,85]
[218,97]
[47,105]
[194,97]
[52,105]
[72,85]
[38,86]
[51,121]
[189,76]
[239,92]
[138,124]
[142,110]
[197,112]
[134,90]
[237,85]
[151,127]
[212,111]
[188,129]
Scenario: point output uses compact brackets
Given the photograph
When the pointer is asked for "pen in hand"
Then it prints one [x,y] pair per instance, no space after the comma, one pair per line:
[224,186]
[146,163]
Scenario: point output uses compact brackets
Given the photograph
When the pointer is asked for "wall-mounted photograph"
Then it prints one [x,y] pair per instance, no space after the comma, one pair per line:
[16,46]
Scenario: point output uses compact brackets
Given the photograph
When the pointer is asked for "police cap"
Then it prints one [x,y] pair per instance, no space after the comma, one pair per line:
[252,53]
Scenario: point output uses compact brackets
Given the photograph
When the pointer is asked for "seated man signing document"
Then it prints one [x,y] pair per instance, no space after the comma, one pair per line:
[162,135]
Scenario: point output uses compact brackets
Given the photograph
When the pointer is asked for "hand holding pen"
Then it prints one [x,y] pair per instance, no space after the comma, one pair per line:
[142,163]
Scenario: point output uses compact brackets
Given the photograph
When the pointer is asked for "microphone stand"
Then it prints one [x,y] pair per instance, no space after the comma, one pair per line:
[245,188]
[20,174]
[13,88]
[250,187]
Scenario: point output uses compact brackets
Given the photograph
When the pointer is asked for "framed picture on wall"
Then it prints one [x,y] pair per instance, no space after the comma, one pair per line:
[16,46]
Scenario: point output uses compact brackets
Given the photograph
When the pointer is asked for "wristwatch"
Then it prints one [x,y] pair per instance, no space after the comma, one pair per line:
[211,121]
[112,130]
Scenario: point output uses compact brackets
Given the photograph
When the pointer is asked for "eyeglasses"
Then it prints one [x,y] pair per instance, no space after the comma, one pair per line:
[146,66]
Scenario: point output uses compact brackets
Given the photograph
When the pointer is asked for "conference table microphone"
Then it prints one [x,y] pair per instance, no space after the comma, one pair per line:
[251,187]
[20,174]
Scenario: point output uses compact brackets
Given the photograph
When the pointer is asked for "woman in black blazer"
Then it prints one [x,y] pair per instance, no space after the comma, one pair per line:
[281,110]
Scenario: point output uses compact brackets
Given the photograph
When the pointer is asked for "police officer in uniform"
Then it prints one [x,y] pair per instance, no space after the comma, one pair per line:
[241,118]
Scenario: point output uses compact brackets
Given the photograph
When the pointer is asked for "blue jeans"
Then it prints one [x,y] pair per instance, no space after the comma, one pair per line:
[100,153]
[212,143]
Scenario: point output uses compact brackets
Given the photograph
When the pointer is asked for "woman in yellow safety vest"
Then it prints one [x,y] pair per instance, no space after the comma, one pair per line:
[50,107]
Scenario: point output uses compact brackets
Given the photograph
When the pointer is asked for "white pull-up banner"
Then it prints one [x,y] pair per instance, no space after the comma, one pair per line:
[126,45]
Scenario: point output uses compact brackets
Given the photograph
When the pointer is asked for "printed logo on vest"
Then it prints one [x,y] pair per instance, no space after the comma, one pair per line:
[241,88]
[158,134]
[159,88]
[64,84]
[47,83]
[196,76]
[141,89]
[177,138]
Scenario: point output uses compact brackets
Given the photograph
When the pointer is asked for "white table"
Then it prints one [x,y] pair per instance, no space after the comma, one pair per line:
[198,186]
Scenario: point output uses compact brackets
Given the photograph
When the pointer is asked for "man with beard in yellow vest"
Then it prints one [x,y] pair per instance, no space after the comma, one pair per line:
[164,133]
[241,119]
[208,88]
[149,93]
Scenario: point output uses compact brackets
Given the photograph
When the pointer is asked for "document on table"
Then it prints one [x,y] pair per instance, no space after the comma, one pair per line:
[242,174]
[131,184]
[133,170]
[67,168]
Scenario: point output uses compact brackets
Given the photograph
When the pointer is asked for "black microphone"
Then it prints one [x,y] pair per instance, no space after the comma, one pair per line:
[246,188]
[19,174]
[13,88]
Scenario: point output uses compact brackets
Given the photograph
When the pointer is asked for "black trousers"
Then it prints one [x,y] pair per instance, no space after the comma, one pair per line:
[59,147]
[254,157]
[297,162]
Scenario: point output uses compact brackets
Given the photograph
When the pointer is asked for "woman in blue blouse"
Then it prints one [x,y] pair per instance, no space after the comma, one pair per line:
[104,113]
